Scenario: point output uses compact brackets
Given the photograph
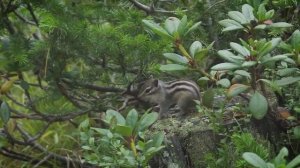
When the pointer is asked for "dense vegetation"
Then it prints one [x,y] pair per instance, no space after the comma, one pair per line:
[64,65]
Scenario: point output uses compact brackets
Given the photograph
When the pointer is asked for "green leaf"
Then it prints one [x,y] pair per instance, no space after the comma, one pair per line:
[132,118]
[264,49]
[157,29]
[243,73]
[230,28]
[230,25]
[200,55]
[295,162]
[229,56]
[195,48]
[261,12]
[176,58]
[274,59]
[208,98]
[240,49]
[258,105]
[254,160]
[224,82]
[295,41]
[110,114]
[272,84]
[173,67]
[147,120]
[286,71]
[247,11]
[225,66]
[296,131]
[248,64]
[279,159]
[287,81]
[238,16]
[4,112]
[237,89]
[260,26]
[171,25]
[101,131]
[193,27]
[124,130]
[280,25]
[182,26]
[269,14]
[157,139]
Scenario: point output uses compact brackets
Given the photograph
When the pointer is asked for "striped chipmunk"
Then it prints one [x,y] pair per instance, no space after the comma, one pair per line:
[165,94]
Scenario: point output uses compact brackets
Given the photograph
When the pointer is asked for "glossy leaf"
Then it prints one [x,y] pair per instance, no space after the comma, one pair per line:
[258,105]
[225,66]
[254,160]
[248,64]
[173,67]
[243,73]
[269,14]
[158,139]
[280,158]
[195,47]
[193,27]
[224,83]
[261,12]
[237,89]
[176,58]
[239,49]
[286,71]
[294,163]
[4,112]
[182,26]
[147,120]
[274,58]
[260,26]
[280,25]
[157,29]
[238,16]
[124,130]
[171,25]
[132,118]
[230,25]
[229,56]
[247,11]
[287,81]
[110,114]
[264,49]
[295,41]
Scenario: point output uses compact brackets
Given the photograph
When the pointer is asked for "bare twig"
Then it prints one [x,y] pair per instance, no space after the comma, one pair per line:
[93,87]
[24,19]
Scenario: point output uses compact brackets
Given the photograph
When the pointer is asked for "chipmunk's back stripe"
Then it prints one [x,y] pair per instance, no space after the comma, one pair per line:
[182,86]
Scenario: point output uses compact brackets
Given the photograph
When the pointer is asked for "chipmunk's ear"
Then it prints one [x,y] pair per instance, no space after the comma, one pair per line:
[155,82]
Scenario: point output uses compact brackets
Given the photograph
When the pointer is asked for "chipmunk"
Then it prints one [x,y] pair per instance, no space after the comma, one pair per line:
[165,94]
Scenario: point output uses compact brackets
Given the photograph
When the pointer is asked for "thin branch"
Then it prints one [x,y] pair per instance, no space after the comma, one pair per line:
[29,7]
[150,9]
[62,159]
[93,87]
[24,19]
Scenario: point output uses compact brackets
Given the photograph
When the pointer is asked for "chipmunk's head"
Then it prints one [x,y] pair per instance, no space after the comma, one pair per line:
[150,90]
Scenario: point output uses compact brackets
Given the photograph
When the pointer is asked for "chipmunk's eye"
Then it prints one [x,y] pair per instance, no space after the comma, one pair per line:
[148,90]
